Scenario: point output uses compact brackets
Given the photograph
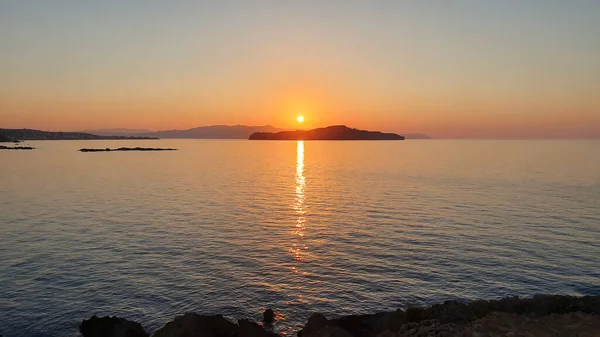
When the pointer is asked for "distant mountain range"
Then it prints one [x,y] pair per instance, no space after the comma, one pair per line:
[30,134]
[203,132]
[216,132]
[117,132]
[208,132]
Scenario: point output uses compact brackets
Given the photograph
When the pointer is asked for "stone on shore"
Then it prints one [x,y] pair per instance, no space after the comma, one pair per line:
[542,315]
[252,329]
[191,325]
[111,327]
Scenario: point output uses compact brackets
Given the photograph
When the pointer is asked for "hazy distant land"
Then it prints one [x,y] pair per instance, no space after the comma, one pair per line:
[30,134]
[202,132]
[206,132]
[117,132]
[6,139]
[415,136]
[336,132]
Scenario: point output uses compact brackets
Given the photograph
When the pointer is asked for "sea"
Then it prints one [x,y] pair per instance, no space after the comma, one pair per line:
[234,227]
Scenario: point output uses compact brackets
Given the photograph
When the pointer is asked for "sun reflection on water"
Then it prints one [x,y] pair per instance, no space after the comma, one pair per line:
[299,248]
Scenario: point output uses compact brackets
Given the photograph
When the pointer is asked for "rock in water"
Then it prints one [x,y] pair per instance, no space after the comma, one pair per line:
[111,327]
[192,325]
[269,316]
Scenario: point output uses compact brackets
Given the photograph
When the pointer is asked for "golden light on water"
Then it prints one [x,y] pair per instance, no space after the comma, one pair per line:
[299,248]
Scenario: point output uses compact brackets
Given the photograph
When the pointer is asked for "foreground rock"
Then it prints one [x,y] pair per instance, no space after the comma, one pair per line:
[543,315]
[453,318]
[190,325]
[111,327]
[2,147]
[127,149]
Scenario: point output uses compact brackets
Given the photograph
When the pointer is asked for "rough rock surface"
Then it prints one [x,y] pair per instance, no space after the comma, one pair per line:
[111,327]
[543,315]
[191,325]
[251,329]
[269,316]
[454,318]
[554,325]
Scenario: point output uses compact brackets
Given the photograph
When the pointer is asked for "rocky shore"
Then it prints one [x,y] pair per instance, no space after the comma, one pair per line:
[542,315]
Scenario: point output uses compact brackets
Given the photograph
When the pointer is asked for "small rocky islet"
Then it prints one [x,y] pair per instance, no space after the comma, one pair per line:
[541,315]
[3,147]
[127,149]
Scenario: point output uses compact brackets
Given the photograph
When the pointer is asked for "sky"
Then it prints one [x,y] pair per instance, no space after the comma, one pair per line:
[450,69]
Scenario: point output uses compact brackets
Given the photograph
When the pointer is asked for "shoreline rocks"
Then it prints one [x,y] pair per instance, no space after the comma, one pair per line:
[111,326]
[511,316]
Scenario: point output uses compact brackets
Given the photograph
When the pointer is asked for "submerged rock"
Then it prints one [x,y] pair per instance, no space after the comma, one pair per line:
[111,327]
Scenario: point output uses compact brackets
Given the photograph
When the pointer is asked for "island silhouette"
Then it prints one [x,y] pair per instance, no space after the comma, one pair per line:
[335,132]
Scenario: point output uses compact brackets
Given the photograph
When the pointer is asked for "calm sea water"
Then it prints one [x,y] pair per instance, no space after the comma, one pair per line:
[233,227]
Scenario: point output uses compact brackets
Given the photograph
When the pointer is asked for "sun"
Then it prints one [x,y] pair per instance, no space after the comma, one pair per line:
[300,119]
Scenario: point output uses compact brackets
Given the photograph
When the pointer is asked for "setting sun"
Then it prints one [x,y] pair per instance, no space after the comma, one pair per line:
[300,119]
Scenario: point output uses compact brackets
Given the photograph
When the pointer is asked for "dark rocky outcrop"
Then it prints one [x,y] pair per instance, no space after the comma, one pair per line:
[127,149]
[247,328]
[191,324]
[111,327]
[448,318]
[536,316]
[337,132]
[269,316]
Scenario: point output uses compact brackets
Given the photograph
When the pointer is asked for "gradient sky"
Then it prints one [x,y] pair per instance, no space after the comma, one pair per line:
[466,69]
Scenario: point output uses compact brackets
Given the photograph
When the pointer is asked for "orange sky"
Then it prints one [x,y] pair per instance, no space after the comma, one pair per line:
[462,70]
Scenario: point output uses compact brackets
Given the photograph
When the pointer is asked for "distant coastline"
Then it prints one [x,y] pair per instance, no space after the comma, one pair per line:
[211,132]
[31,134]
[202,132]
[336,132]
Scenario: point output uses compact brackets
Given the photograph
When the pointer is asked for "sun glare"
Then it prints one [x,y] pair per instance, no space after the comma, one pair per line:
[300,119]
